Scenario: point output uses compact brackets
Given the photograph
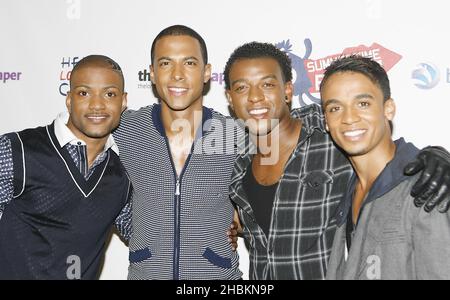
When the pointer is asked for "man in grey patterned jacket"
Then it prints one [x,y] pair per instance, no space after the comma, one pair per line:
[381,234]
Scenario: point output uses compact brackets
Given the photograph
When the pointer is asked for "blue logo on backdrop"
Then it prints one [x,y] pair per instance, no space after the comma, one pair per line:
[426,76]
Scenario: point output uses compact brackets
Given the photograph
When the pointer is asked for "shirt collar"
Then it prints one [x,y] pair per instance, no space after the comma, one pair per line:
[65,136]
[206,123]
[391,176]
[312,118]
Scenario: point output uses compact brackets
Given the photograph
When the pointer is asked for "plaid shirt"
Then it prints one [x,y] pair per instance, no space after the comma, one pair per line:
[303,219]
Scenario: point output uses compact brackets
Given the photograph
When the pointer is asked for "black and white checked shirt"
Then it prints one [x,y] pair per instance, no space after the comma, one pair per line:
[303,219]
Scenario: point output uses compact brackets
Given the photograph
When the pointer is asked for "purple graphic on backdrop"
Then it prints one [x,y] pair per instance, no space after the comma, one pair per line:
[302,83]
[6,76]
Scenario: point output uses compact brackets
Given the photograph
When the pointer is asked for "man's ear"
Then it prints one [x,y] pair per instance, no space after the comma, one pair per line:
[288,91]
[389,109]
[230,101]
[124,101]
[152,74]
[207,73]
[69,101]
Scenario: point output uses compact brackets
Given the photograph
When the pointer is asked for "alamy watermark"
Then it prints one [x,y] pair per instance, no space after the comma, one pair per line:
[228,137]
[374,267]
[73,11]
[74,267]
[374,9]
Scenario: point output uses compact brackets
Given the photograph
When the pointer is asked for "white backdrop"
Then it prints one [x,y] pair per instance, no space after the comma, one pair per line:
[41,38]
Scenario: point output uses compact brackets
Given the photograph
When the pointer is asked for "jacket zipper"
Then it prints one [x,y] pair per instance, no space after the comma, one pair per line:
[176,240]
[177,210]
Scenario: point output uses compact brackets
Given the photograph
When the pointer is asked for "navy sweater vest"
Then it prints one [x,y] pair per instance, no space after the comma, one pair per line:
[57,224]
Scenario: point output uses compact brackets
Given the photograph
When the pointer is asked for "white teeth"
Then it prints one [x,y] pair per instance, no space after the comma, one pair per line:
[177,90]
[258,111]
[96,118]
[354,133]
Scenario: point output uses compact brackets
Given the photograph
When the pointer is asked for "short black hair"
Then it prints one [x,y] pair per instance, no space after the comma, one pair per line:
[178,30]
[363,65]
[259,50]
[101,60]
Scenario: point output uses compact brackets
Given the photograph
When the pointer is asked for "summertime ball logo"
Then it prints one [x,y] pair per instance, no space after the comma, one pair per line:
[308,72]
[426,76]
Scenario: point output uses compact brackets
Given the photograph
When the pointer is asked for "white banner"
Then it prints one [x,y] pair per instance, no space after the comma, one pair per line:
[41,40]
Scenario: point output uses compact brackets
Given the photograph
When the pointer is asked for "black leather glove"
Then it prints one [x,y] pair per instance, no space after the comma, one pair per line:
[433,186]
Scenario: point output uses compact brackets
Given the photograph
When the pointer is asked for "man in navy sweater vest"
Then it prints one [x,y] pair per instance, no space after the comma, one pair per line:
[62,186]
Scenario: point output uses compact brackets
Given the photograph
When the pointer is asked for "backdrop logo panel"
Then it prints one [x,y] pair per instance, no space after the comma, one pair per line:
[5,77]
[67,64]
[426,76]
[309,72]
[145,81]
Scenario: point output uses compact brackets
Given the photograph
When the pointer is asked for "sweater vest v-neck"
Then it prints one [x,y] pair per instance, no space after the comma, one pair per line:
[57,221]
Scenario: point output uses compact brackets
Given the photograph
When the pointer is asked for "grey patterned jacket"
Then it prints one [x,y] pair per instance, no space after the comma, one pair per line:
[179,224]
[393,238]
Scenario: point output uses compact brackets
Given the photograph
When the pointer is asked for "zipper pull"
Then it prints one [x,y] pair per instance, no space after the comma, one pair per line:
[177,189]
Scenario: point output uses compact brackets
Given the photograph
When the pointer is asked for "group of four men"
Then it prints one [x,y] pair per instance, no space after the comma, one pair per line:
[293,181]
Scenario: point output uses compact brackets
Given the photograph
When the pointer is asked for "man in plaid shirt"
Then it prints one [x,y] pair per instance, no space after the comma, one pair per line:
[291,177]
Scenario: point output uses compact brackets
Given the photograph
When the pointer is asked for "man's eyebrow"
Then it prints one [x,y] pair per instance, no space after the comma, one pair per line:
[331,101]
[364,96]
[236,81]
[357,97]
[87,86]
[111,86]
[83,85]
[191,57]
[271,76]
[186,58]
[264,78]
[164,58]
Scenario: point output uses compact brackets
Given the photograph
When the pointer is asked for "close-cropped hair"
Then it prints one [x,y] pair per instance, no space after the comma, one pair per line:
[259,50]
